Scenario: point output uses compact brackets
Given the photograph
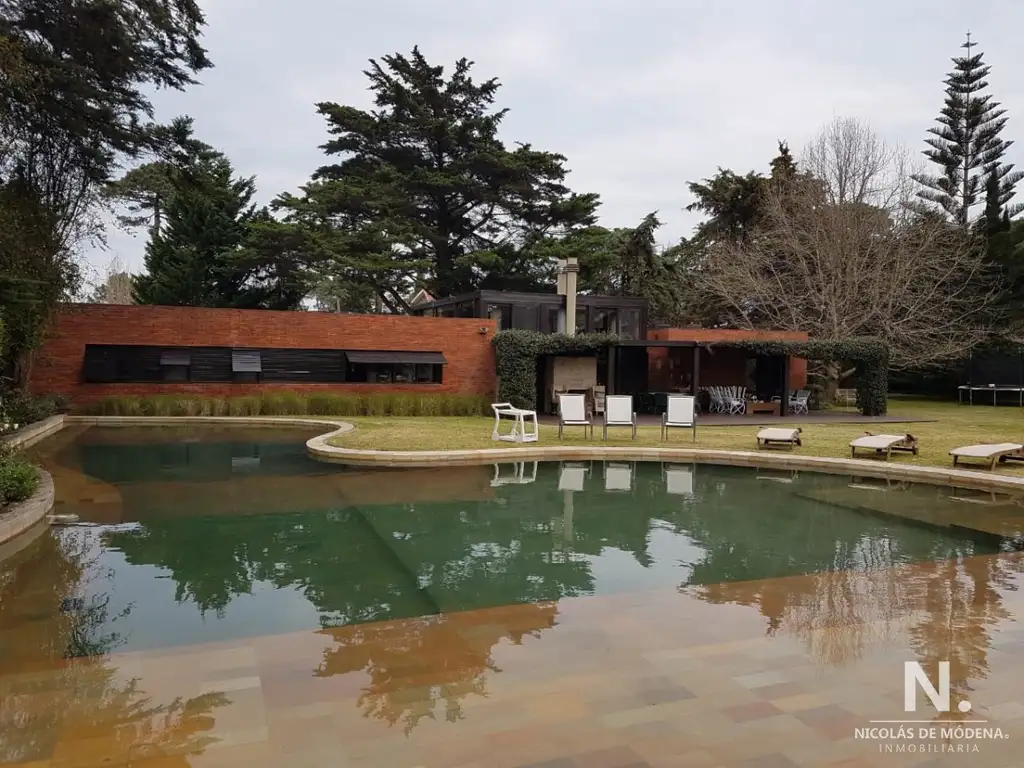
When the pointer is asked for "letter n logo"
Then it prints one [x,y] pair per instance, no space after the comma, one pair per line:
[914,674]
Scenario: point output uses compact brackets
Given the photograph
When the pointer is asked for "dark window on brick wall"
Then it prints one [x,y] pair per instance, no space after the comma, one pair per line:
[394,367]
[144,364]
[298,365]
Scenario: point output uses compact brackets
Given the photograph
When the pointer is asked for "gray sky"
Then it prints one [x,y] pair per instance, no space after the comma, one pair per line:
[642,96]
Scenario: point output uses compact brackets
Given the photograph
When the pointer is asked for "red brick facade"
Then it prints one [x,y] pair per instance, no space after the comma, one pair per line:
[726,367]
[57,368]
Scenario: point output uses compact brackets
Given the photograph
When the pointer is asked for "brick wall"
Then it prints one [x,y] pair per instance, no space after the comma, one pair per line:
[57,368]
[726,367]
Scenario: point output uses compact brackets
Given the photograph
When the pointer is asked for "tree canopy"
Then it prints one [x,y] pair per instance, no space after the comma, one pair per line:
[966,144]
[425,193]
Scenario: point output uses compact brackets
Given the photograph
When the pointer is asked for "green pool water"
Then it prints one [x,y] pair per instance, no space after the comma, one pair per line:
[205,535]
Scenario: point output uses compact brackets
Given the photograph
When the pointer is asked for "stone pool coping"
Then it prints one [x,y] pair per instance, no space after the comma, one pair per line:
[319,449]
[21,517]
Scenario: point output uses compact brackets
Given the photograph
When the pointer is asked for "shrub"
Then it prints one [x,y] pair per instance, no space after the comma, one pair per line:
[21,408]
[18,479]
[296,404]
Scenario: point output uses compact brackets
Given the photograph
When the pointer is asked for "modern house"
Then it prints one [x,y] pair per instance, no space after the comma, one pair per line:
[101,350]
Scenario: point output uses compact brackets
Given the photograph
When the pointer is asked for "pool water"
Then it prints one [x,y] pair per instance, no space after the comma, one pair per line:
[199,535]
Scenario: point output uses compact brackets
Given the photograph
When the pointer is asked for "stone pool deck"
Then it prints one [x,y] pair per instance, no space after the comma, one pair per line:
[771,673]
[774,673]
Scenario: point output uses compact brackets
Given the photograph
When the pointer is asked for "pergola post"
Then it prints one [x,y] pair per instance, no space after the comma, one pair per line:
[784,400]
[696,370]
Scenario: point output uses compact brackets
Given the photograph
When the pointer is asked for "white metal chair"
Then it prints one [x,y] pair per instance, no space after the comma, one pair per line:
[618,412]
[680,412]
[618,476]
[735,400]
[519,416]
[572,477]
[572,412]
[799,402]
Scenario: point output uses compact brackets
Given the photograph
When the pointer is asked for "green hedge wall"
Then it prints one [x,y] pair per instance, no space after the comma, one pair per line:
[869,356]
[516,354]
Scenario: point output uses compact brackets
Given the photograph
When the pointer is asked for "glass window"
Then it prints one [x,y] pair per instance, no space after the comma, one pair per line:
[605,321]
[581,319]
[629,325]
[394,373]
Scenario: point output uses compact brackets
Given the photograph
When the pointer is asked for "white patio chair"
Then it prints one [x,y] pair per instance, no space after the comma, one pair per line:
[618,476]
[681,412]
[572,412]
[736,400]
[572,477]
[717,400]
[618,412]
[799,403]
[678,479]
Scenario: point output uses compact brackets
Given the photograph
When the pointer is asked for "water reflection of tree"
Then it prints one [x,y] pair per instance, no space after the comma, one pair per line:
[56,676]
[415,664]
[416,560]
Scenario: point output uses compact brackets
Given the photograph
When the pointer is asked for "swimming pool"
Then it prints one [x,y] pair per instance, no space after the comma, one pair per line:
[200,535]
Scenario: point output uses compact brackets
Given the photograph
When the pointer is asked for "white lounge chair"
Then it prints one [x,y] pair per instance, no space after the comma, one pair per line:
[572,477]
[618,412]
[678,479]
[681,411]
[787,436]
[884,444]
[993,454]
[572,412]
[618,476]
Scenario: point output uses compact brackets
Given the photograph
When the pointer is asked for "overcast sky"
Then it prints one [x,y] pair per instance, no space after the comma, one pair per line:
[642,96]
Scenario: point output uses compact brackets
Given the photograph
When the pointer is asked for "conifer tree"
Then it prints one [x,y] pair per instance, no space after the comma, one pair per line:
[190,261]
[966,145]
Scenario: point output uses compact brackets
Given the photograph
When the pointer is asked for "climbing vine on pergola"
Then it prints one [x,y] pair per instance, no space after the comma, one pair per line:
[870,358]
[516,355]
[517,352]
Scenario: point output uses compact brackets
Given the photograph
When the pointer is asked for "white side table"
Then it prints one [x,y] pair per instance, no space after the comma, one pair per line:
[519,418]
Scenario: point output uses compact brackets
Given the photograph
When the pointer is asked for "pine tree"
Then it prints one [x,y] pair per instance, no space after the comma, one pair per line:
[966,143]
[425,186]
[190,261]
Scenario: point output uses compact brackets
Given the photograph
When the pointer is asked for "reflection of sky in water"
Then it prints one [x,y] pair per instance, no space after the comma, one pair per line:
[303,566]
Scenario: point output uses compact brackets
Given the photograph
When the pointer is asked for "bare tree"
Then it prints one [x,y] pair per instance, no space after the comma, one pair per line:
[855,165]
[841,270]
[116,286]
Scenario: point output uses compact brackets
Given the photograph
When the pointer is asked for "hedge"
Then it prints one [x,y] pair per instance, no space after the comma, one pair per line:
[295,404]
[869,356]
[517,353]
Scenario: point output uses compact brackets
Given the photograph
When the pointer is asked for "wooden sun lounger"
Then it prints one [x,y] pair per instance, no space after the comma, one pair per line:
[993,454]
[884,444]
[770,436]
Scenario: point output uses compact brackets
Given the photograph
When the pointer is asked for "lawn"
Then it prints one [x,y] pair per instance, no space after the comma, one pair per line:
[952,426]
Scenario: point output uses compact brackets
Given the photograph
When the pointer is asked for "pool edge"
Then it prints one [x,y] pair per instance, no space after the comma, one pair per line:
[319,449]
[26,514]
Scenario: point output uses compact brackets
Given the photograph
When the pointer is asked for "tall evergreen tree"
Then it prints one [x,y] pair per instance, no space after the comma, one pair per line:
[426,189]
[966,144]
[201,257]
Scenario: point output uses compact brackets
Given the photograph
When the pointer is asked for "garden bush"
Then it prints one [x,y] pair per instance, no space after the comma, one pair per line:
[18,478]
[288,403]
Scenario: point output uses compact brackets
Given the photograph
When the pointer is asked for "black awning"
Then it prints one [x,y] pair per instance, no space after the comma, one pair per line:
[246,361]
[175,357]
[406,358]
